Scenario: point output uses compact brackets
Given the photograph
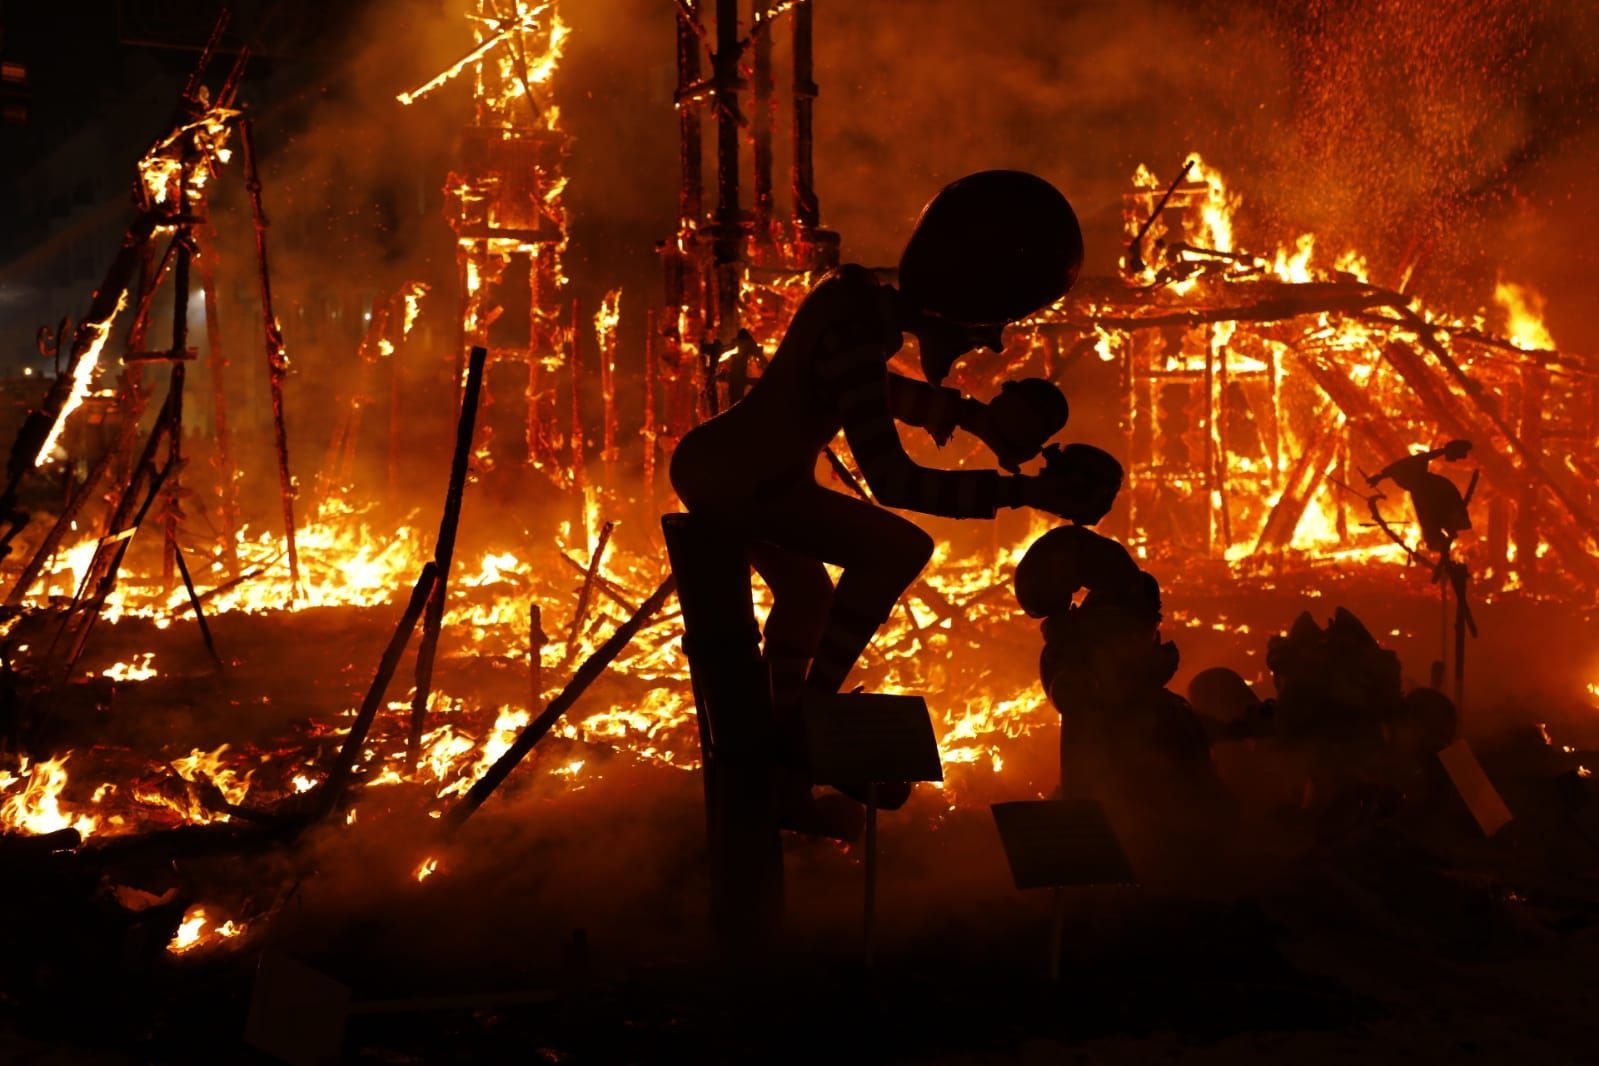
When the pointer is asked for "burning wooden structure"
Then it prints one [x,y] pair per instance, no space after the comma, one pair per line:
[1256,390]
[505,206]
[734,266]
[1250,389]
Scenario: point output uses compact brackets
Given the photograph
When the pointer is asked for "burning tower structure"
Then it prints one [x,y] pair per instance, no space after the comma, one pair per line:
[734,266]
[504,203]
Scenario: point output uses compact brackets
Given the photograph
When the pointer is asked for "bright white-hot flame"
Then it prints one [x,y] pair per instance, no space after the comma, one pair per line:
[1524,311]
[139,668]
[607,318]
[32,800]
[412,297]
[198,929]
[82,378]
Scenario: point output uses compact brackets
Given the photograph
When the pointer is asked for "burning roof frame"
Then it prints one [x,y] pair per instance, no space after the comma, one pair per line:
[1388,374]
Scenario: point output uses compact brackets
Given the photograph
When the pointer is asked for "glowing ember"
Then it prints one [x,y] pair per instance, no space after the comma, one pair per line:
[140,668]
[199,929]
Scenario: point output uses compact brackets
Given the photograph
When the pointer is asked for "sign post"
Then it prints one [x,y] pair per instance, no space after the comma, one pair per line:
[1058,844]
[867,739]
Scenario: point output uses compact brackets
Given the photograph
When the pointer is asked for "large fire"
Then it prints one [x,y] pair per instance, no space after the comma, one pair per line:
[1250,382]
[982,711]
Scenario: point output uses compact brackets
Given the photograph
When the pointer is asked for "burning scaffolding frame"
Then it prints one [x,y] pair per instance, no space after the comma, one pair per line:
[731,267]
[1253,387]
[505,204]
[172,200]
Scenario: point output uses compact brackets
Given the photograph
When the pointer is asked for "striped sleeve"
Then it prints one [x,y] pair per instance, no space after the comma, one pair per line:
[857,380]
[916,403]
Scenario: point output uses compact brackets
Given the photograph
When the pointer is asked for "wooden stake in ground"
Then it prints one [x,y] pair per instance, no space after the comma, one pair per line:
[227,469]
[534,731]
[277,359]
[339,776]
[194,604]
[536,639]
[585,595]
[444,551]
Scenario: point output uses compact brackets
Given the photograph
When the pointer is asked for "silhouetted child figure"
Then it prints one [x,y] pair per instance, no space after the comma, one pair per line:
[1126,740]
[987,250]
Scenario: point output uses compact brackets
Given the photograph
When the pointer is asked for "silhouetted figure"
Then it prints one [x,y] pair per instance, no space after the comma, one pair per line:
[987,250]
[1442,513]
[1126,740]
[1440,508]
[1229,707]
[1337,689]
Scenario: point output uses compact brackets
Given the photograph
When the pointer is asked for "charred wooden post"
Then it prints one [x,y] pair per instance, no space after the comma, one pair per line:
[574,359]
[394,435]
[217,360]
[807,213]
[43,425]
[726,82]
[1303,481]
[101,576]
[762,113]
[347,430]
[1535,384]
[609,589]
[536,641]
[648,433]
[194,604]
[733,703]
[534,731]
[606,321]
[422,593]
[444,551]
[277,359]
[172,514]
[585,595]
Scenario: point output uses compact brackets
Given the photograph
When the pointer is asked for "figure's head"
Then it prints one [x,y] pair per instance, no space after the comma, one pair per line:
[1031,410]
[1068,559]
[989,249]
[1223,695]
[1092,475]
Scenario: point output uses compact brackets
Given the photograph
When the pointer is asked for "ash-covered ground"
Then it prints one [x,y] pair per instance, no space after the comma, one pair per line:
[566,922]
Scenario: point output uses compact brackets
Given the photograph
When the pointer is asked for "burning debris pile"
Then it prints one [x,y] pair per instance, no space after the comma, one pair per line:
[1253,392]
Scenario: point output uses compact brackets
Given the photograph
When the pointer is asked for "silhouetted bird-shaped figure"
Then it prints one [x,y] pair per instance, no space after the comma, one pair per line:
[1440,508]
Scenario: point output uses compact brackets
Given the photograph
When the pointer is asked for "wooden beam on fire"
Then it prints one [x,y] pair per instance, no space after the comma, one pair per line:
[277,359]
[585,594]
[534,731]
[332,789]
[1442,404]
[1303,480]
[608,588]
[444,550]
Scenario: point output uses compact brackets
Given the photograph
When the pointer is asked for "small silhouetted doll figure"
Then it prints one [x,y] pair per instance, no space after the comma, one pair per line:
[1229,707]
[1440,508]
[1338,692]
[1126,740]
[987,250]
